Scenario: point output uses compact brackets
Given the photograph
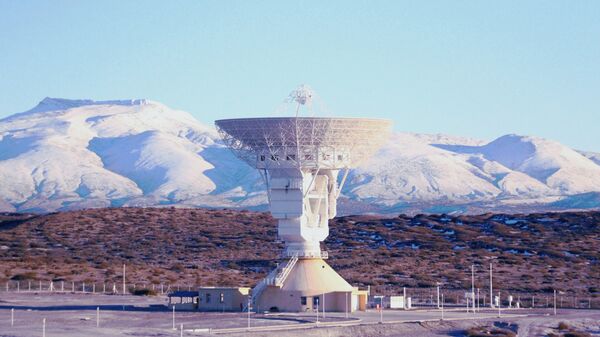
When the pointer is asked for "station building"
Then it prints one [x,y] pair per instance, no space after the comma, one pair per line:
[210,299]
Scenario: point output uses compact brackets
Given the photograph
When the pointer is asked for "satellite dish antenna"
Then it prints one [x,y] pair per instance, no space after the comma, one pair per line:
[303,95]
[300,159]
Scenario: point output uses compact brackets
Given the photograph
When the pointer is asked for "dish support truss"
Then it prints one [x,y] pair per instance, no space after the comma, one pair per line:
[300,159]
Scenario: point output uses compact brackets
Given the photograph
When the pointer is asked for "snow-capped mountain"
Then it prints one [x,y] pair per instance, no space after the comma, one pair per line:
[68,154]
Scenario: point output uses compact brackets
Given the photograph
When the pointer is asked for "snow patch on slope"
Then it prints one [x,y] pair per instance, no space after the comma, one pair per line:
[408,168]
[68,154]
[593,156]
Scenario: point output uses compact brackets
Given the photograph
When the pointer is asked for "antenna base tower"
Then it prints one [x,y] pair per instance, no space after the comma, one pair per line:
[304,162]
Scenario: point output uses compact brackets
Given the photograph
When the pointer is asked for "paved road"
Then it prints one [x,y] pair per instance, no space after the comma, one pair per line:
[374,316]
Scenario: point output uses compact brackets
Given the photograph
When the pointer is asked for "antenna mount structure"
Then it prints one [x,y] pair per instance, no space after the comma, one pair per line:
[300,159]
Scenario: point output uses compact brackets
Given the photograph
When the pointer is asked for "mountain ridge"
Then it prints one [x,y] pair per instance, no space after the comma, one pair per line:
[71,154]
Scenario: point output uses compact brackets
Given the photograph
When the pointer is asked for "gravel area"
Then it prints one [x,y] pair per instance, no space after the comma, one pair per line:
[74,315]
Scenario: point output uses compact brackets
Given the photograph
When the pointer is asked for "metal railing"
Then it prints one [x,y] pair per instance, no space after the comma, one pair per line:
[285,271]
[322,254]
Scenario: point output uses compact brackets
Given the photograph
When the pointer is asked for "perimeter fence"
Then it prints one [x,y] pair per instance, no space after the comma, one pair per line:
[107,288]
[420,297]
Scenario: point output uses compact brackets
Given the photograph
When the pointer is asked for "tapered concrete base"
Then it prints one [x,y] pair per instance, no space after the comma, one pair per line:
[310,283]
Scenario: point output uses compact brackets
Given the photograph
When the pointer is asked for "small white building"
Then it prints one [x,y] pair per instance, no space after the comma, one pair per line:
[210,299]
[399,302]
[223,298]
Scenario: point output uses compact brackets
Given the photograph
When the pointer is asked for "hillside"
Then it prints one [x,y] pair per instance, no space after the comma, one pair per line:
[533,252]
[75,154]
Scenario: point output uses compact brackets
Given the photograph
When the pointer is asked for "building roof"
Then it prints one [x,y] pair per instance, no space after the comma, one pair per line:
[224,288]
[183,293]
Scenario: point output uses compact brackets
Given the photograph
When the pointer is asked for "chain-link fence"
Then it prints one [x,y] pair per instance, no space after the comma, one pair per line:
[91,287]
[419,297]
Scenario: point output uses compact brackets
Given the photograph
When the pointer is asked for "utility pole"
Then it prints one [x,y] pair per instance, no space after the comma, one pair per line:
[346,304]
[124,283]
[554,302]
[442,307]
[317,310]
[473,287]
[248,311]
[173,316]
[491,288]
[499,304]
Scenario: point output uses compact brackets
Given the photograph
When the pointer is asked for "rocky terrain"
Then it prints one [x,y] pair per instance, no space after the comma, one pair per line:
[530,253]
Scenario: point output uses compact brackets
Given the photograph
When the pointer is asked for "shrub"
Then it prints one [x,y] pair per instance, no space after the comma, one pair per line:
[573,333]
[144,292]
[563,326]
[25,276]
[482,331]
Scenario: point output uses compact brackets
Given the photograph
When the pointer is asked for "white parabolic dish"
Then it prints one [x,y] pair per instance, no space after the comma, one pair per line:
[304,142]
[300,158]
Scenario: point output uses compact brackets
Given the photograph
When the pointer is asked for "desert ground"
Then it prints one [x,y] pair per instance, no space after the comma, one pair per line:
[70,315]
[80,255]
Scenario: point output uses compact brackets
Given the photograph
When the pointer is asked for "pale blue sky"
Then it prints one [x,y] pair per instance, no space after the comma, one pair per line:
[471,68]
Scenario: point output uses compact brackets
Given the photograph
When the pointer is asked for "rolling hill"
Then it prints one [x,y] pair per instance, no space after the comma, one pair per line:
[530,252]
